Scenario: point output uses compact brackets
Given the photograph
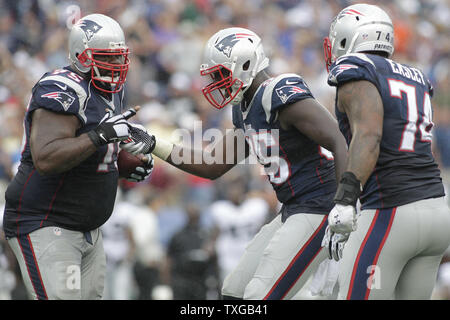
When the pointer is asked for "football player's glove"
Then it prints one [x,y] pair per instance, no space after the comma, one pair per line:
[143,172]
[139,142]
[111,128]
[342,219]
[334,243]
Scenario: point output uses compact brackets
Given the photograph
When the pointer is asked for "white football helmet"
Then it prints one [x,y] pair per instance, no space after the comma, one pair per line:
[232,58]
[357,28]
[91,40]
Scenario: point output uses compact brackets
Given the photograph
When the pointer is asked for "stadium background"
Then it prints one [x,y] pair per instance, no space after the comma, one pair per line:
[149,243]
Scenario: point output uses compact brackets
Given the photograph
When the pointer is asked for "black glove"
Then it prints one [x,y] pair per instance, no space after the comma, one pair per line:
[141,173]
[111,128]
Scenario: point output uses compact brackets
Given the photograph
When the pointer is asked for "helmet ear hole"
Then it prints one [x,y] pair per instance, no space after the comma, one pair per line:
[246,65]
[81,57]
[343,41]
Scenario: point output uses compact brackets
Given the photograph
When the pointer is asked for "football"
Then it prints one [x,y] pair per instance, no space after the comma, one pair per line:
[127,163]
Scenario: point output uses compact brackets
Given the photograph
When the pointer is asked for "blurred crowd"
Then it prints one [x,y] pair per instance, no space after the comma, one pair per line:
[164,238]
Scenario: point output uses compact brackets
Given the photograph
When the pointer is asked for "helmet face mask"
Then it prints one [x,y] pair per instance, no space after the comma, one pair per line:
[232,59]
[359,28]
[97,47]
[223,89]
[109,67]
[327,53]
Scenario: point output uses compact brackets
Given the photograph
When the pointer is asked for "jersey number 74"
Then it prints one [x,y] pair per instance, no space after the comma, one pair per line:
[414,123]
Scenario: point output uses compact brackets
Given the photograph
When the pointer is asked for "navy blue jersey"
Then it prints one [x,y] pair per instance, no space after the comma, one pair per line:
[300,171]
[406,170]
[82,198]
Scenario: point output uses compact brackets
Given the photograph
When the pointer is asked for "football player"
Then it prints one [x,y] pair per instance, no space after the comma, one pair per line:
[290,133]
[66,183]
[384,110]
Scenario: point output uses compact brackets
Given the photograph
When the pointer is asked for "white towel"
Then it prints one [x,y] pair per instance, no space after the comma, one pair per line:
[325,278]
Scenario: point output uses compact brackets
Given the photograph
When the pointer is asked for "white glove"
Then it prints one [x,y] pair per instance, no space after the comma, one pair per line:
[132,145]
[342,218]
[325,278]
[334,243]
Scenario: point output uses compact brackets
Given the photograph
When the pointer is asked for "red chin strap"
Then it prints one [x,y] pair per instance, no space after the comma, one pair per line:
[219,92]
[327,53]
[113,70]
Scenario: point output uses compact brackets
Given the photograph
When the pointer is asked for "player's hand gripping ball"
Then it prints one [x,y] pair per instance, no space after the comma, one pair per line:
[134,168]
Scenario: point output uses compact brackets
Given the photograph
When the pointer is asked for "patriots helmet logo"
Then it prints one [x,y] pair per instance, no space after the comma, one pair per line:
[64,98]
[285,92]
[226,44]
[349,12]
[89,28]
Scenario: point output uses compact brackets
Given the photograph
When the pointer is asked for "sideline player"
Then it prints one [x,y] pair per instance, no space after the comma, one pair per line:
[66,183]
[236,220]
[384,111]
[276,114]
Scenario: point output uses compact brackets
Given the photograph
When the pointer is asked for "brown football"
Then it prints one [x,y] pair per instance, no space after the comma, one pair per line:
[126,163]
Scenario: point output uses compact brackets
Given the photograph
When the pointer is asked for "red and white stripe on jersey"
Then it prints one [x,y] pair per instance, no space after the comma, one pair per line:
[297,89]
[347,66]
[342,67]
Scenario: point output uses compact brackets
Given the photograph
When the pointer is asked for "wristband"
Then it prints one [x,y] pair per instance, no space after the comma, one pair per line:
[93,135]
[163,149]
[348,190]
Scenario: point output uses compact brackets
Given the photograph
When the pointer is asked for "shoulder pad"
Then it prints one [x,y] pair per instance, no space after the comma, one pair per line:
[62,91]
[352,67]
[281,91]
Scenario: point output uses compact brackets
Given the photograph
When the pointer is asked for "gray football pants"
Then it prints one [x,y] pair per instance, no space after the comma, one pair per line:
[279,260]
[61,264]
[395,253]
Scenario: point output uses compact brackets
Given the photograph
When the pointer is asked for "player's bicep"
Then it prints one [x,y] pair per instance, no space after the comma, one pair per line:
[313,120]
[362,103]
[48,126]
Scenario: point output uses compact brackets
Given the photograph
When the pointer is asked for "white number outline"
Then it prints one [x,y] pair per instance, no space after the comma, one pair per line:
[108,158]
[427,124]
[264,139]
[327,154]
[424,125]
